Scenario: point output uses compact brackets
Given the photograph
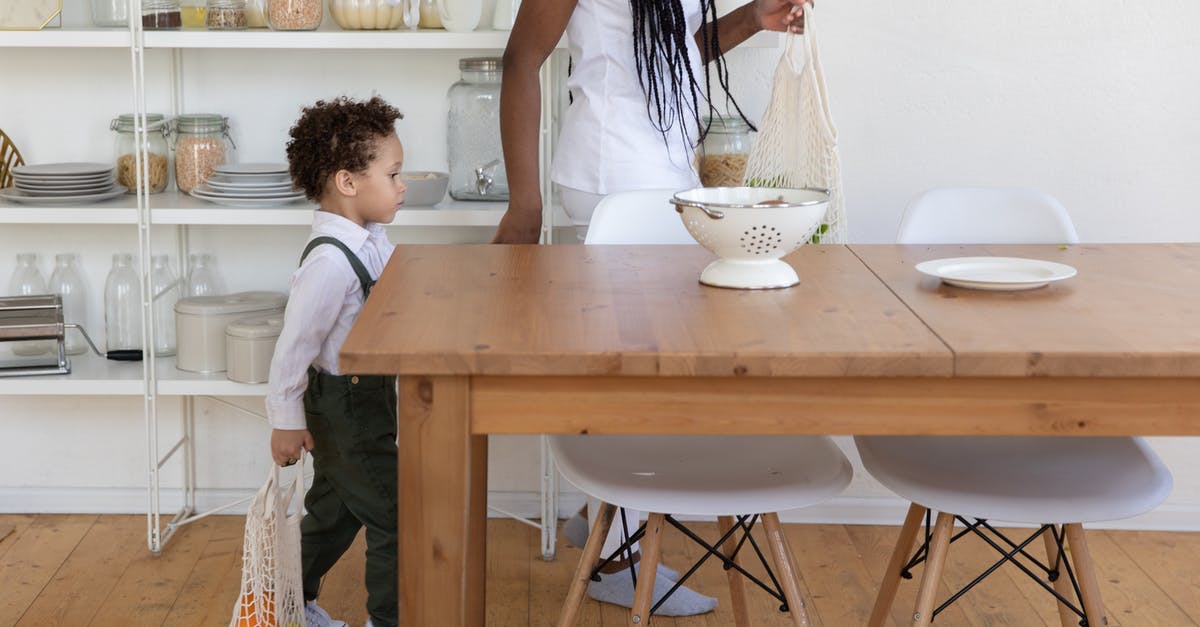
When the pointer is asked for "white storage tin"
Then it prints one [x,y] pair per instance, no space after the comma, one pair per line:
[249,345]
[200,325]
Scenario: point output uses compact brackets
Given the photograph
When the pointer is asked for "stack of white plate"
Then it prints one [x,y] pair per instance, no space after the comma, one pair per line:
[62,184]
[249,185]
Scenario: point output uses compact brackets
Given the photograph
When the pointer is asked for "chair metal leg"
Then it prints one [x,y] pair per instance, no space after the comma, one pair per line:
[737,588]
[1089,588]
[900,555]
[587,561]
[643,593]
[1061,584]
[939,546]
[788,575]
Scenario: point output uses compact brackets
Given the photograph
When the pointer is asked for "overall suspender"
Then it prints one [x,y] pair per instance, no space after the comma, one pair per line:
[363,276]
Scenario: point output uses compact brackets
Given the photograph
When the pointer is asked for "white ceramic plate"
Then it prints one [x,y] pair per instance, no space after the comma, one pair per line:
[248,202]
[56,181]
[62,169]
[205,190]
[220,183]
[252,168]
[16,195]
[65,191]
[996,273]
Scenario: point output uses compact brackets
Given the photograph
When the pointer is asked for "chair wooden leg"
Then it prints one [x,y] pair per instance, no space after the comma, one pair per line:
[587,561]
[789,577]
[643,593]
[891,577]
[737,588]
[935,560]
[1062,585]
[1089,588]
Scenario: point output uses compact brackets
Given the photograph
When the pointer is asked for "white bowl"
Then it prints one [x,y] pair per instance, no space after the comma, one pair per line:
[425,188]
[750,228]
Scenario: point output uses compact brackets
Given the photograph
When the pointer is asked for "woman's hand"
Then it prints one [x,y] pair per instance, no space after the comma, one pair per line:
[780,15]
[286,445]
[519,227]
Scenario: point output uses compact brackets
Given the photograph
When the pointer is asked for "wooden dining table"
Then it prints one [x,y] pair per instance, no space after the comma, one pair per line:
[624,340]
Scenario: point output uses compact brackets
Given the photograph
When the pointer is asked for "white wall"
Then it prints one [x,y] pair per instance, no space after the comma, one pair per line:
[1092,101]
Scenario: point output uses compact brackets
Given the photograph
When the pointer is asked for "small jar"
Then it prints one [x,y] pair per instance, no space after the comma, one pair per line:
[366,14]
[194,12]
[157,166]
[724,152]
[161,15]
[225,15]
[256,13]
[428,13]
[473,132]
[202,143]
[110,13]
[294,14]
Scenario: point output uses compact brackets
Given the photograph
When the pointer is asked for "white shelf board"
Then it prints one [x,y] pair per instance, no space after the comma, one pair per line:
[90,375]
[75,37]
[174,208]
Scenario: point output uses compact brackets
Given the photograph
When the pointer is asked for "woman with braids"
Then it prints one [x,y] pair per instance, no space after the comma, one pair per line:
[641,82]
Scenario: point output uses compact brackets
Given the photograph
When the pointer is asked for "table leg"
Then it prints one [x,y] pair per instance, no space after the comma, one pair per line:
[443,504]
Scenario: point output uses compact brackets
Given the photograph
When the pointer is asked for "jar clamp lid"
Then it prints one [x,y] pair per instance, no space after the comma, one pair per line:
[201,123]
[155,122]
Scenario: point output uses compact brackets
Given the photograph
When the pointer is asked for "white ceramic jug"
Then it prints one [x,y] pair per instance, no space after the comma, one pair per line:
[506,13]
[460,16]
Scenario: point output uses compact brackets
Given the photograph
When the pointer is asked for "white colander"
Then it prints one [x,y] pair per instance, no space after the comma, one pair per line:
[750,228]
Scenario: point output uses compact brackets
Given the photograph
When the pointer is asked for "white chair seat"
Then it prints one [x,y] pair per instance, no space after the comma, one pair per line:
[704,475]
[1021,479]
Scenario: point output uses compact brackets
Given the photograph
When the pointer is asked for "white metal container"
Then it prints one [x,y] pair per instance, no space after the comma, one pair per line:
[249,345]
[200,325]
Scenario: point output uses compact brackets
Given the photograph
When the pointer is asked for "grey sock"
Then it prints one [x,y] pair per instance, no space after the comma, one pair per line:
[575,530]
[617,588]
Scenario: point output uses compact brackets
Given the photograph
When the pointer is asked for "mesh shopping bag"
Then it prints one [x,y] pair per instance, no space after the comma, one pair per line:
[272,593]
[797,141]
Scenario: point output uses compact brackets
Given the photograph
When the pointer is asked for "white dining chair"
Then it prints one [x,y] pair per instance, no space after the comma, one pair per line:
[1055,483]
[738,479]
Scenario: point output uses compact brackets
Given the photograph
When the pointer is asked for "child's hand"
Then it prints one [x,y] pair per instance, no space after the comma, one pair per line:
[287,443]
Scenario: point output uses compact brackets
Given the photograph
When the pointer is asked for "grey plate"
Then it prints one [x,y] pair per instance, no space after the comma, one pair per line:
[15,195]
[76,169]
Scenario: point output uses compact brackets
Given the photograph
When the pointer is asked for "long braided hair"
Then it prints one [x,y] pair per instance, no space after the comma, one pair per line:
[660,37]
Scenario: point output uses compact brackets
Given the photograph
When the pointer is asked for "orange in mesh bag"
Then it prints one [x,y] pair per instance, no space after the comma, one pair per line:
[797,141]
[272,591]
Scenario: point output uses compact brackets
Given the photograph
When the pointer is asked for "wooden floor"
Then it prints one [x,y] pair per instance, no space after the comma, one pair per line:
[95,570]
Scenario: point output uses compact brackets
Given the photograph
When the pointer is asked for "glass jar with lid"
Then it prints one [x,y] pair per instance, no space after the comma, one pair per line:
[473,134]
[225,15]
[110,13]
[294,14]
[202,143]
[724,151]
[161,15]
[157,166]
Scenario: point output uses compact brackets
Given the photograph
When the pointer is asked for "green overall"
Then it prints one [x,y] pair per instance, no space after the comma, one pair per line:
[352,419]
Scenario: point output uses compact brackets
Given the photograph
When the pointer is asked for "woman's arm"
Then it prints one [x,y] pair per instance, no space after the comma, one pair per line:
[740,24]
[538,28]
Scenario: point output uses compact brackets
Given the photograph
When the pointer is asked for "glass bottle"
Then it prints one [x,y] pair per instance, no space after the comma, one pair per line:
[203,279]
[294,14]
[473,134]
[724,152]
[110,13]
[27,281]
[202,143]
[256,13]
[66,281]
[122,305]
[166,292]
[157,130]
[226,15]
[161,15]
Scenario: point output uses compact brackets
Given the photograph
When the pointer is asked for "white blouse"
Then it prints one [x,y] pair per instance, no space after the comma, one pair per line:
[608,143]
[323,303]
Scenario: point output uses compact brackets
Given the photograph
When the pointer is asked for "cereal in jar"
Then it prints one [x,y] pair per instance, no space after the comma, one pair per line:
[202,143]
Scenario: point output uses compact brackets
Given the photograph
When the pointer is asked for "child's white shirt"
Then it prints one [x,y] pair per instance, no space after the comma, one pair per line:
[324,300]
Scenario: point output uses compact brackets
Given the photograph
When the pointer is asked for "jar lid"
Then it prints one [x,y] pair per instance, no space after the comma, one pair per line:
[241,302]
[260,327]
[201,123]
[125,122]
[722,124]
[160,5]
[481,64]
